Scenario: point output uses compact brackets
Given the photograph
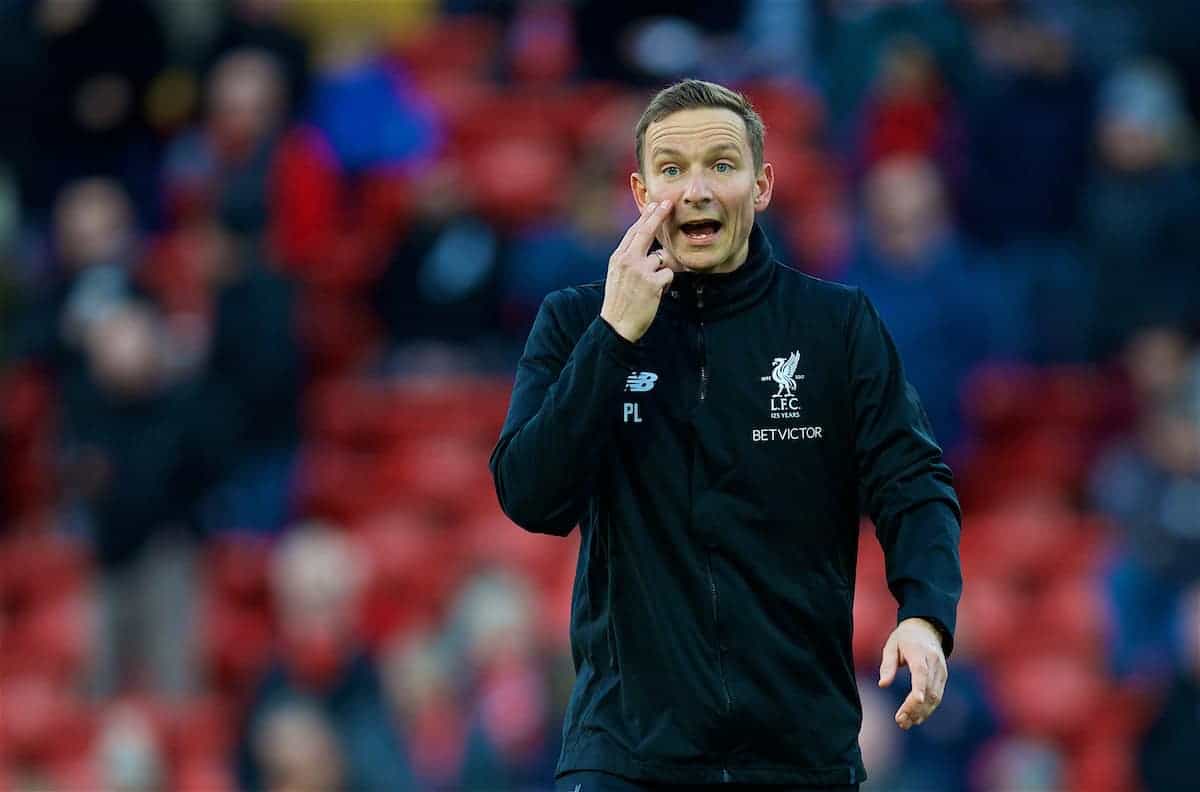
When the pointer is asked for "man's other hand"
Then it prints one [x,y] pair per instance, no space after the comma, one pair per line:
[916,644]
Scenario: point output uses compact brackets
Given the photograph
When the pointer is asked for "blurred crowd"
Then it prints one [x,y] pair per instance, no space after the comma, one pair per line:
[268,266]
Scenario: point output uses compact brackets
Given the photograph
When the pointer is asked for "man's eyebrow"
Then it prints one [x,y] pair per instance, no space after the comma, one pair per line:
[666,152]
[720,148]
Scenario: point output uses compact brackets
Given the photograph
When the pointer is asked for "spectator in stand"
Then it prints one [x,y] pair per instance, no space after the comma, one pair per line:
[1149,486]
[255,355]
[317,576]
[1028,119]
[438,295]
[360,88]
[140,451]
[1016,761]
[259,25]
[912,262]
[298,749]
[857,36]
[129,752]
[96,246]
[910,111]
[423,686]
[510,740]
[1141,217]
[225,166]
[569,249]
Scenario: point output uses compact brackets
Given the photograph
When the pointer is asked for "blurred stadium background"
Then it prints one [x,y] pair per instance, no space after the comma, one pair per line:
[267,269]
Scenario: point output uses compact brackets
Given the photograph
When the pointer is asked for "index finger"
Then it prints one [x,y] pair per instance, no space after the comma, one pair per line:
[645,212]
[649,227]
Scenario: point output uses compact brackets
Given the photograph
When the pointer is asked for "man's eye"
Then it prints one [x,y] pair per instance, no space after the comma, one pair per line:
[670,170]
[724,167]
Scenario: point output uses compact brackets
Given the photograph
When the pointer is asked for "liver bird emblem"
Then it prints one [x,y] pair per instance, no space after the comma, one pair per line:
[784,374]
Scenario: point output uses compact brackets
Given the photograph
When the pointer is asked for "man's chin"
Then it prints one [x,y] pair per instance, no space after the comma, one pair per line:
[693,258]
[700,263]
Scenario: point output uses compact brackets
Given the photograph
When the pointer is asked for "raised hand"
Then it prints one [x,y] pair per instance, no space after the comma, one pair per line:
[636,280]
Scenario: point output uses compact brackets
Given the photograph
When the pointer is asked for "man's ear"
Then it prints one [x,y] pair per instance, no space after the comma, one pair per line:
[764,185]
[638,188]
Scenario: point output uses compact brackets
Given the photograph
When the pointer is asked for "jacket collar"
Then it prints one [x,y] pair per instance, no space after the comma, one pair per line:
[705,296]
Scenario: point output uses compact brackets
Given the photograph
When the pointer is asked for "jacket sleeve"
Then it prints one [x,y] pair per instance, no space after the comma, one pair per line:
[558,419]
[903,483]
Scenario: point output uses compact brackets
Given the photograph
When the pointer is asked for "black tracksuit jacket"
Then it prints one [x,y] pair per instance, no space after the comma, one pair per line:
[717,468]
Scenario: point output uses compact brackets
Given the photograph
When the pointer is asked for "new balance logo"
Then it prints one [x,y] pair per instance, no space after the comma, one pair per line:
[641,381]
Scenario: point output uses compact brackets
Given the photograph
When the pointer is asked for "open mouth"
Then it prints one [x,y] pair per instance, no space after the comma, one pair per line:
[701,230]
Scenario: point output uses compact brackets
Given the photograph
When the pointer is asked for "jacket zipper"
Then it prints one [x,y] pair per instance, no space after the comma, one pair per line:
[712,583]
[700,342]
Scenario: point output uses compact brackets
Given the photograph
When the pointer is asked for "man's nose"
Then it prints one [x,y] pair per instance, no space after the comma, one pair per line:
[697,191]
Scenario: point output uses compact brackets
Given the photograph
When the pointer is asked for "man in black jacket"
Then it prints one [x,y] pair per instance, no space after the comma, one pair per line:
[716,423]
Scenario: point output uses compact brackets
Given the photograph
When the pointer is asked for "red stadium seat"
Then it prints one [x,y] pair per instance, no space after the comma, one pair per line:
[27,482]
[1104,765]
[347,410]
[74,772]
[1000,397]
[39,562]
[806,178]
[542,49]
[199,731]
[509,116]
[1071,614]
[874,620]
[991,616]
[53,638]
[1025,542]
[237,644]
[440,470]
[460,48]
[470,410]
[599,116]
[179,268]
[211,774]
[793,112]
[26,401]
[41,722]
[1049,695]
[237,570]
[339,332]
[517,179]
[336,484]
[412,573]
[493,540]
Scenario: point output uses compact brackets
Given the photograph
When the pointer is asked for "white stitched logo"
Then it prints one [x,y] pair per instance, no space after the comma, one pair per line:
[784,374]
[785,405]
[641,381]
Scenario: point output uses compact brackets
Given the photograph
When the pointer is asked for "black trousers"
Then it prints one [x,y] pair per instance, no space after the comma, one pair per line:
[597,781]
